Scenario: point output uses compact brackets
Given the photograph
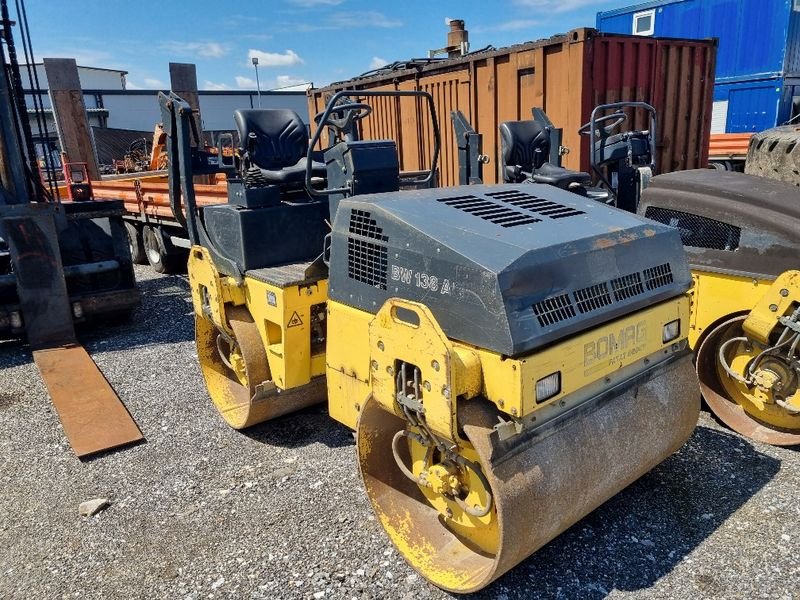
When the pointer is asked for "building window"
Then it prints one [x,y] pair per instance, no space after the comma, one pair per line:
[796,5]
[644,23]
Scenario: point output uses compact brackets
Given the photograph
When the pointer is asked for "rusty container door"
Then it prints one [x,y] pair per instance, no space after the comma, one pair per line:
[675,76]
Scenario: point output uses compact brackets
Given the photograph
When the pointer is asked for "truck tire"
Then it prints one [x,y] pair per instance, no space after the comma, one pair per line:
[135,243]
[161,254]
[157,255]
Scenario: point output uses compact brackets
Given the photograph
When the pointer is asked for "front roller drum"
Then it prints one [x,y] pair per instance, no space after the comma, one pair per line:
[734,403]
[237,375]
[540,482]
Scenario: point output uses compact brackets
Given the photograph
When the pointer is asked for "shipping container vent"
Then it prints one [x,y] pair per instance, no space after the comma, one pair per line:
[592,298]
[627,286]
[552,310]
[362,224]
[535,204]
[697,231]
[367,262]
[489,211]
[656,277]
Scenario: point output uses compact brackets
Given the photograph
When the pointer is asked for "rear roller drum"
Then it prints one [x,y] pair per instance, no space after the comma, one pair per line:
[759,412]
[237,373]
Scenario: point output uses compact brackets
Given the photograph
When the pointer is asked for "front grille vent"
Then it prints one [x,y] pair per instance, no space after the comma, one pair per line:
[656,277]
[552,310]
[627,286]
[489,211]
[367,261]
[592,297]
[697,231]
[540,206]
[598,296]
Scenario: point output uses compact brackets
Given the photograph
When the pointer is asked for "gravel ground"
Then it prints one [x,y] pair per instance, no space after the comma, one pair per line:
[201,510]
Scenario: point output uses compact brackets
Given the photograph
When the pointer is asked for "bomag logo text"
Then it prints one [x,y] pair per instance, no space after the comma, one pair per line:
[617,345]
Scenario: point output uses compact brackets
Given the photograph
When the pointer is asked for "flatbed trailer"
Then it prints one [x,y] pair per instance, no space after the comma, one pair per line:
[728,151]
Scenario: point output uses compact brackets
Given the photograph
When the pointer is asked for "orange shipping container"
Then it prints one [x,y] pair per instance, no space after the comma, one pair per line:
[566,75]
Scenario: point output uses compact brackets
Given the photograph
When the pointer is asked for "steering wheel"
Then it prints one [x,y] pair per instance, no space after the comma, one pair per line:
[620,117]
[347,113]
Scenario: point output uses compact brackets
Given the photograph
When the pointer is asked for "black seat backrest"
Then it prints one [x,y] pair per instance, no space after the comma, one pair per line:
[520,141]
[281,136]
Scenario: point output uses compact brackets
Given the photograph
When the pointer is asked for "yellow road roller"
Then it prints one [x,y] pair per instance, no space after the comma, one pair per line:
[742,236]
[509,356]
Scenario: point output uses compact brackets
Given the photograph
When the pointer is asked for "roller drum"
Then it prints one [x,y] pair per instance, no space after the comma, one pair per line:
[543,481]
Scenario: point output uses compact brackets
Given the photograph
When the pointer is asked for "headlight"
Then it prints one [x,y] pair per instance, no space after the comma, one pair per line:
[671,331]
[547,387]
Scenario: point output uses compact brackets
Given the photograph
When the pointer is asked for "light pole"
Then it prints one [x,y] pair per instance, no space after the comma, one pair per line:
[258,84]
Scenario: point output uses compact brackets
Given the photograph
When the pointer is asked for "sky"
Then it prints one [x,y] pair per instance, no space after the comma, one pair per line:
[296,41]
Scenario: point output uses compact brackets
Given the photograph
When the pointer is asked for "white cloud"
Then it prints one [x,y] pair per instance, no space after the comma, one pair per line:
[513,25]
[85,57]
[344,21]
[312,3]
[204,49]
[281,81]
[154,83]
[555,5]
[275,59]
[377,62]
[129,85]
[447,20]
[210,85]
[285,81]
[245,83]
[259,37]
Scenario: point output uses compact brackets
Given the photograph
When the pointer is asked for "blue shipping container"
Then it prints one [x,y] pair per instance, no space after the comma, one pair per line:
[758,59]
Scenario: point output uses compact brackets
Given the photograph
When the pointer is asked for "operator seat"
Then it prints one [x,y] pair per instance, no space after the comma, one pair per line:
[525,151]
[275,140]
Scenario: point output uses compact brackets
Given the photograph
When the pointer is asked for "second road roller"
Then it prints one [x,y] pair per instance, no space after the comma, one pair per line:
[509,356]
[742,236]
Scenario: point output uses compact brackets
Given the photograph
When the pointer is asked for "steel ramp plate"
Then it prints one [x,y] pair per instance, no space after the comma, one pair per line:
[93,416]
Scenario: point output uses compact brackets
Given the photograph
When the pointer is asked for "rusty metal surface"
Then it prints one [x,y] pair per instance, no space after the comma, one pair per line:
[765,211]
[726,410]
[566,75]
[542,482]
[92,414]
[775,153]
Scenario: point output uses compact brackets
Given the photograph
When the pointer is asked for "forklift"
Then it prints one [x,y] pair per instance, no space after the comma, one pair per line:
[61,263]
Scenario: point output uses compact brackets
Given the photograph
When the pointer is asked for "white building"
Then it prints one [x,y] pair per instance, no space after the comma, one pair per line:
[110,105]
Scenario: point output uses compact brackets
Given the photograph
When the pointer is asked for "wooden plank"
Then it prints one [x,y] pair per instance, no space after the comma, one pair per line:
[183,81]
[93,416]
[69,111]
